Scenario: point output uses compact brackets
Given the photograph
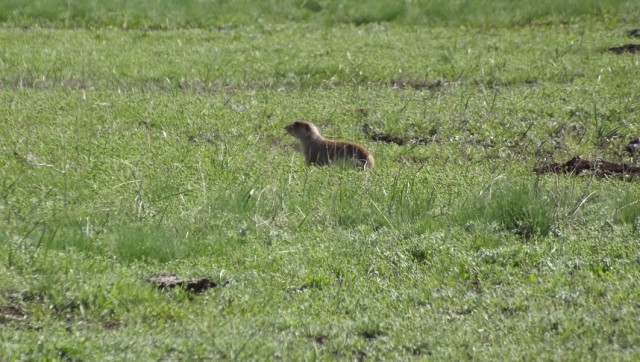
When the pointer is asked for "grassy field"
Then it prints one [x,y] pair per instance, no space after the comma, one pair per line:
[141,137]
[173,14]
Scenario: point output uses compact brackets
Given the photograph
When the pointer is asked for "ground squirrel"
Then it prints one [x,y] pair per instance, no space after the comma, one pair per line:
[321,151]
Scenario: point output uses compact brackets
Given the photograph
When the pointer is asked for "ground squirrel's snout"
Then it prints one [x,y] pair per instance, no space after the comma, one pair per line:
[289,128]
[298,128]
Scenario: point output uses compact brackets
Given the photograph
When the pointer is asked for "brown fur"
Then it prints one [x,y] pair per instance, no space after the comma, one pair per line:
[320,151]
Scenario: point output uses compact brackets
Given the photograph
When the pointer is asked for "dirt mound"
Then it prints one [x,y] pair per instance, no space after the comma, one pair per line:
[634,33]
[415,84]
[627,48]
[166,280]
[399,140]
[602,168]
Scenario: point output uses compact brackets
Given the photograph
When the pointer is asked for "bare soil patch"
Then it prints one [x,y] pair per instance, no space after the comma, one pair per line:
[8,313]
[627,48]
[415,84]
[399,140]
[166,280]
[602,168]
[634,33]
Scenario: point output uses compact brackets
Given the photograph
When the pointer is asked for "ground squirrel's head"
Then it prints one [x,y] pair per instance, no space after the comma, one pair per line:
[302,130]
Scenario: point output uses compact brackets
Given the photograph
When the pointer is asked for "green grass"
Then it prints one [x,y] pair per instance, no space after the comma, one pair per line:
[126,153]
[523,208]
[218,13]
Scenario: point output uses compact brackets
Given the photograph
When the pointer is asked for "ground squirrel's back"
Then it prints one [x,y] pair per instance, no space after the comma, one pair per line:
[321,151]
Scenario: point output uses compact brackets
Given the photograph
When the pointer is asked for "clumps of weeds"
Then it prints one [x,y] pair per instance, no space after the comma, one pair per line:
[522,207]
[628,210]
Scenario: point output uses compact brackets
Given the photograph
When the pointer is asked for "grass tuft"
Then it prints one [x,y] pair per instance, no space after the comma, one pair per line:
[628,211]
[146,243]
[519,206]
